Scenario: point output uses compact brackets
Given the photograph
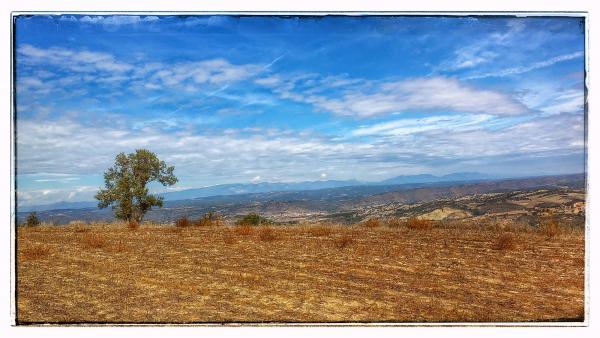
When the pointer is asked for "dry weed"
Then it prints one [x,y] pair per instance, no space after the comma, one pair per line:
[345,241]
[267,234]
[372,223]
[93,240]
[505,241]
[244,230]
[34,252]
[319,230]
[419,224]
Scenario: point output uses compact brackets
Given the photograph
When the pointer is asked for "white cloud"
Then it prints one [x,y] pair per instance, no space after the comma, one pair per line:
[525,69]
[451,123]
[77,61]
[115,20]
[418,94]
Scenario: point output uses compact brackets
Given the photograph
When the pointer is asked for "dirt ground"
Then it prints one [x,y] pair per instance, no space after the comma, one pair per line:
[297,274]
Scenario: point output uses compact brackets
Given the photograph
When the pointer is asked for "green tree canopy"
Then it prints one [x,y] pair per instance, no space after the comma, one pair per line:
[126,184]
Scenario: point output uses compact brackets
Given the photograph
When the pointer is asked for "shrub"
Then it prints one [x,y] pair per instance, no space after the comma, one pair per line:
[32,220]
[549,226]
[372,223]
[183,222]
[209,219]
[253,219]
[419,224]
[267,234]
[505,241]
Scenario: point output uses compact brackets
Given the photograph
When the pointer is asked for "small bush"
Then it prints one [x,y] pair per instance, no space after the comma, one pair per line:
[319,231]
[344,241]
[419,224]
[32,220]
[209,219]
[244,230]
[267,235]
[372,223]
[93,241]
[253,219]
[183,222]
[506,241]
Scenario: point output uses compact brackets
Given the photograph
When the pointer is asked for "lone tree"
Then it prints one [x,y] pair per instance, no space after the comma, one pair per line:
[126,184]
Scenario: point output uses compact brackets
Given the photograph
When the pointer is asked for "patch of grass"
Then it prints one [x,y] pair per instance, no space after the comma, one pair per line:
[372,223]
[505,241]
[549,226]
[319,230]
[345,241]
[228,238]
[183,222]
[93,240]
[34,252]
[394,222]
[133,225]
[209,219]
[419,224]
[244,230]
[267,234]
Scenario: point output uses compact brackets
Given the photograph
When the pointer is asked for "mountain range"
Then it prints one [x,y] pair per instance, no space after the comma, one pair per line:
[263,187]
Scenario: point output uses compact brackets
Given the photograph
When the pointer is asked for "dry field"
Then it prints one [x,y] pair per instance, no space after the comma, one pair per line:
[297,274]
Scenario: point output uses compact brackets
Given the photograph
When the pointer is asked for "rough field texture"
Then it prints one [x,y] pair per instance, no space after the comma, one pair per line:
[297,274]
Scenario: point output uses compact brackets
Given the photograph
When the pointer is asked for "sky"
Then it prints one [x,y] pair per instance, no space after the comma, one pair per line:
[246,99]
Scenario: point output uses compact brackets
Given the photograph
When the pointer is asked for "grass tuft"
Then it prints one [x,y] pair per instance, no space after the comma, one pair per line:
[93,241]
[505,241]
[267,235]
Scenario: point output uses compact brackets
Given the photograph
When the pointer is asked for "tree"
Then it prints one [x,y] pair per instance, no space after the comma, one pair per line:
[126,184]
[32,220]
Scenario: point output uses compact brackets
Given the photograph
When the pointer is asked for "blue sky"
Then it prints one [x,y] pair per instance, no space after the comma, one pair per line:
[230,99]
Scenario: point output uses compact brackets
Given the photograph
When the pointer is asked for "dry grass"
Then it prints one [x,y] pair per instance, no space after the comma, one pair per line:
[183,222]
[224,274]
[267,234]
[419,224]
[372,223]
[30,253]
[549,226]
[133,225]
[93,240]
[319,230]
[505,241]
[244,230]
[345,241]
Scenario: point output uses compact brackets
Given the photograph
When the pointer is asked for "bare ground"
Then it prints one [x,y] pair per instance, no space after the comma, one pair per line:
[297,274]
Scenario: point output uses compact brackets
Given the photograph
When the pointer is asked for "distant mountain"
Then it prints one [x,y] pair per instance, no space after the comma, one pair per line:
[264,187]
[59,206]
[337,203]
[252,188]
[427,178]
